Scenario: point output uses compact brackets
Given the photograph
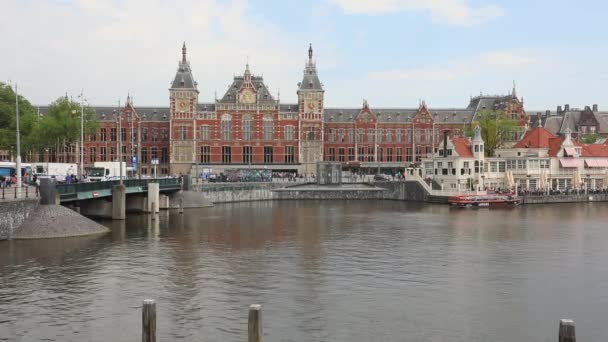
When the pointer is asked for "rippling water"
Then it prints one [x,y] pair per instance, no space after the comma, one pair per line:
[323,271]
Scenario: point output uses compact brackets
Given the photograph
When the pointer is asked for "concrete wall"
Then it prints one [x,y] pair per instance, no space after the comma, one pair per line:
[564,198]
[12,215]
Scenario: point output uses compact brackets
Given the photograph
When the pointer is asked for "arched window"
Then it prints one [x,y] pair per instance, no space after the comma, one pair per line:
[247,127]
[268,127]
[226,127]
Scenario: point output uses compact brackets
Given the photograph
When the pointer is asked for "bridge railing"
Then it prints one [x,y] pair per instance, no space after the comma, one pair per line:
[70,191]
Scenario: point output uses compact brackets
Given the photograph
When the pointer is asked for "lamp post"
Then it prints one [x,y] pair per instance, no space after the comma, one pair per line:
[18,158]
[81,137]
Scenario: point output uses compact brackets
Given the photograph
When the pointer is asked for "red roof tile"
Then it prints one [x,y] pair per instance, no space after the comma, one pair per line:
[595,150]
[536,138]
[462,147]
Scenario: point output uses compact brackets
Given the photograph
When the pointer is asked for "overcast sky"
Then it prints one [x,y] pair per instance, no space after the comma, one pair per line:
[393,53]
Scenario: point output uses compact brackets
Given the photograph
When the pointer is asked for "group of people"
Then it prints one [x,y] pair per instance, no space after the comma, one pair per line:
[7,181]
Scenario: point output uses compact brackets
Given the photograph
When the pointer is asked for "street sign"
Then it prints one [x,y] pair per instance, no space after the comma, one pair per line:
[134,159]
[154,161]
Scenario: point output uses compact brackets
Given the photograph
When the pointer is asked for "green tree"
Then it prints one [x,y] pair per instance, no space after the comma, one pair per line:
[8,121]
[496,129]
[590,138]
[60,126]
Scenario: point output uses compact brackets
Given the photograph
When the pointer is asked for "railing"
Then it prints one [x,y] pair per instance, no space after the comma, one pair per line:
[11,193]
[68,192]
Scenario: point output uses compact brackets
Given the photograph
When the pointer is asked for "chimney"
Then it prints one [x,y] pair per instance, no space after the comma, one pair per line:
[559,109]
[445,143]
[595,108]
[567,108]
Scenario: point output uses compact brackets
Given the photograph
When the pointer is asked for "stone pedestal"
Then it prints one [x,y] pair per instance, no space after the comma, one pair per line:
[48,191]
[153,198]
[119,202]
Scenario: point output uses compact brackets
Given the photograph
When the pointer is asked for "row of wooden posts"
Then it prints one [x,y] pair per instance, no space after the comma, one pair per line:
[255,334]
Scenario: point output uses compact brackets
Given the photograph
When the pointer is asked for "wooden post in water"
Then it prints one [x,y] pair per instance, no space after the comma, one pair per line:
[181,205]
[153,214]
[255,323]
[566,331]
[148,321]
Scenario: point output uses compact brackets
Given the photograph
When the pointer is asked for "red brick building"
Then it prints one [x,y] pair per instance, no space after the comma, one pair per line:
[249,128]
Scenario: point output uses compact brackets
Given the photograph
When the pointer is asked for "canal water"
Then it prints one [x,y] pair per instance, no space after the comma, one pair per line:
[323,271]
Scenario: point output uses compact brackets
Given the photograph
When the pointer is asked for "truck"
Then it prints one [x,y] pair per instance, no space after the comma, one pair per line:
[57,171]
[105,171]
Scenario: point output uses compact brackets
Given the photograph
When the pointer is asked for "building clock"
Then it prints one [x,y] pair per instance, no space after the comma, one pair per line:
[182,105]
[247,96]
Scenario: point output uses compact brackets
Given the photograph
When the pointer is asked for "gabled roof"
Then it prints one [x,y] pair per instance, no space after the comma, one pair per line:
[539,137]
[183,77]
[595,150]
[263,94]
[462,146]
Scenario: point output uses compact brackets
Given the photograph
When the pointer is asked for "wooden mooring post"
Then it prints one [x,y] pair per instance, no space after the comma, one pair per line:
[153,211]
[255,324]
[566,331]
[181,205]
[148,321]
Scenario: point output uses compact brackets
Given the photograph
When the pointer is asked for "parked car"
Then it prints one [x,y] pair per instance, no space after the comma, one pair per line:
[381,177]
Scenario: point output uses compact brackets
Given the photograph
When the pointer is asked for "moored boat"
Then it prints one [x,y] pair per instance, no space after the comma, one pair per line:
[483,201]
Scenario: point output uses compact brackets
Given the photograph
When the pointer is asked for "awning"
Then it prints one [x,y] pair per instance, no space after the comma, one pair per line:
[566,162]
[596,162]
[570,151]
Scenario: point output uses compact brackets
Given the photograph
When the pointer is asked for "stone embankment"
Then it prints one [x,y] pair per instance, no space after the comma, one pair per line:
[27,219]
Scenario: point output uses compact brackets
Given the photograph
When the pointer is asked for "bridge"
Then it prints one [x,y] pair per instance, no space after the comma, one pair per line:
[93,190]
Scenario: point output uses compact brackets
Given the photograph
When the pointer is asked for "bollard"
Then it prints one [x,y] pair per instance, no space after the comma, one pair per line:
[148,321]
[15,192]
[566,331]
[153,212]
[26,190]
[181,205]
[255,323]
[3,192]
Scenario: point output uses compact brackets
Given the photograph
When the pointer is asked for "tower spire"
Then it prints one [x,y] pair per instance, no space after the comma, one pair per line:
[184,53]
[310,53]
[514,92]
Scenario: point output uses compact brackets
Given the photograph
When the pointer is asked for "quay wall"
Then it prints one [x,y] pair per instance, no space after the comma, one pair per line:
[12,215]
[570,198]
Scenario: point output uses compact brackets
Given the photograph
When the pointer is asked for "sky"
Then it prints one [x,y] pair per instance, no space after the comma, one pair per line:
[393,53]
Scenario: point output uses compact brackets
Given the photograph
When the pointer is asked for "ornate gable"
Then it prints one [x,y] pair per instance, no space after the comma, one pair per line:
[366,115]
[423,116]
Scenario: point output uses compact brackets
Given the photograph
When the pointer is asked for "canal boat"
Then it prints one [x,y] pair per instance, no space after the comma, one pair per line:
[483,201]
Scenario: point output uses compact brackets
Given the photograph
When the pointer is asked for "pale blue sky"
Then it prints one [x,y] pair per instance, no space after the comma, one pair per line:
[391,52]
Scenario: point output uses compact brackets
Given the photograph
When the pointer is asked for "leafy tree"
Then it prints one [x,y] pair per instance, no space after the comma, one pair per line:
[590,138]
[8,122]
[496,129]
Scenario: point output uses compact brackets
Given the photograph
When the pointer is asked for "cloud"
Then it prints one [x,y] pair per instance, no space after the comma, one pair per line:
[111,47]
[450,12]
[502,59]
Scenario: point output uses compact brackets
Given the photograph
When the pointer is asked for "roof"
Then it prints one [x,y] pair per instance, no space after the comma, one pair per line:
[462,146]
[106,113]
[399,115]
[595,150]
[261,89]
[183,77]
[539,137]
[310,79]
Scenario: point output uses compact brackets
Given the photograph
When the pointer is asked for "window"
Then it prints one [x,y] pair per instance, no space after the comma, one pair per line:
[104,134]
[205,154]
[341,154]
[113,134]
[247,127]
[380,135]
[389,154]
[226,131]
[163,134]
[477,166]
[332,154]
[332,135]
[268,157]
[112,153]
[124,150]
[268,128]
[154,153]
[521,164]
[103,154]
[389,135]
[361,153]
[310,134]
[544,164]
[144,134]
[123,134]
[289,133]
[144,155]
[154,134]
[341,135]
[289,155]
[360,135]
[351,135]
[205,132]
[370,154]
[226,154]
[93,136]
[93,155]
[399,135]
[493,166]
[501,166]
[370,135]
[418,153]
[164,155]
[399,154]
[380,154]
[351,154]
[183,133]
[408,154]
[511,164]
[247,154]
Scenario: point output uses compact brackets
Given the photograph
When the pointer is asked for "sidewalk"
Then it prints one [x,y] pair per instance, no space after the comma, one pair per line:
[10,194]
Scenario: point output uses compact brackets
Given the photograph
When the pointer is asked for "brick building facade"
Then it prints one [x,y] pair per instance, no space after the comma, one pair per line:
[249,127]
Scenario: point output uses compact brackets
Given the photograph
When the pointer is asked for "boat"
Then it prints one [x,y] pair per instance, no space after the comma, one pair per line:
[483,201]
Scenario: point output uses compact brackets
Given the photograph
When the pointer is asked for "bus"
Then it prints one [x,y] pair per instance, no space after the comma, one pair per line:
[8,169]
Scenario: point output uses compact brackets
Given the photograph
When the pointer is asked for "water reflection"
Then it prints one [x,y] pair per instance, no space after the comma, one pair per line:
[324,271]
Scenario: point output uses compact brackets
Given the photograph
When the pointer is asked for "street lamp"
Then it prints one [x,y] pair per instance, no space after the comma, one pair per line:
[18,159]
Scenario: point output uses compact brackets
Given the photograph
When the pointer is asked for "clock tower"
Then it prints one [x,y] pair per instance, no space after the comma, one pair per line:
[183,97]
[310,104]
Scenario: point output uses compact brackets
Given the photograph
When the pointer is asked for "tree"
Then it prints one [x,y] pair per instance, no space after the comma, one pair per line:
[8,121]
[496,128]
[590,138]
[61,124]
